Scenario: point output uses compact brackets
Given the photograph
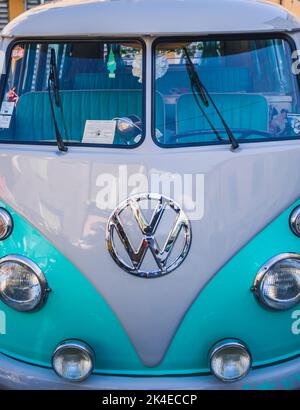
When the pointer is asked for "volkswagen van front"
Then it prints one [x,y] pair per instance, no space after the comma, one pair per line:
[137,250]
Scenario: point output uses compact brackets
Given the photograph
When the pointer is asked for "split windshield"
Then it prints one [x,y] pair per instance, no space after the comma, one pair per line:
[250,81]
[92,92]
[96,98]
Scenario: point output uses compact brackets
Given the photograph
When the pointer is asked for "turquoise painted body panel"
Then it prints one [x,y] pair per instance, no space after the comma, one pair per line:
[225,308]
[73,308]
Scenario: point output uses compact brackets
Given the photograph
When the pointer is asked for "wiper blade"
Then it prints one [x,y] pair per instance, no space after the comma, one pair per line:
[53,84]
[195,80]
[205,96]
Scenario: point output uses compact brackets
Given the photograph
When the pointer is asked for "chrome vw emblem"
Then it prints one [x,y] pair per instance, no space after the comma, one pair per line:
[128,224]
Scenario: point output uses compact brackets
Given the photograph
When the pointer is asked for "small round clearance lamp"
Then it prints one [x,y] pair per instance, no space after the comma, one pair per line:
[6,224]
[295,221]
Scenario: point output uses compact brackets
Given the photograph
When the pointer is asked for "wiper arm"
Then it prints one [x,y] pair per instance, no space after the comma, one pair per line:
[205,96]
[53,84]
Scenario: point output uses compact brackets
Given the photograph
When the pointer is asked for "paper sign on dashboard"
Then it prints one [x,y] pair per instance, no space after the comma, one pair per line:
[99,132]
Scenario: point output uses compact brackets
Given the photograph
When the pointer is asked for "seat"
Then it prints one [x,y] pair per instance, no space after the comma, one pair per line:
[241,111]
[215,79]
[225,79]
[101,81]
[33,115]
[173,80]
[160,113]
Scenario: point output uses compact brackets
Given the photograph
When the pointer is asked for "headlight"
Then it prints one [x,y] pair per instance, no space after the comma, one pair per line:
[277,284]
[230,360]
[73,360]
[295,221]
[23,285]
[6,224]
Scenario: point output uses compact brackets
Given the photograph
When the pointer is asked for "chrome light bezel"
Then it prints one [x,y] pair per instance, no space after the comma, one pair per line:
[295,214]
[25,306]
[74,344]
[258,281]
[8,220]
[225,344]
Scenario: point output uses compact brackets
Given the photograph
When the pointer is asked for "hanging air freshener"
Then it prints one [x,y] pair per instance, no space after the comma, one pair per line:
[111,65]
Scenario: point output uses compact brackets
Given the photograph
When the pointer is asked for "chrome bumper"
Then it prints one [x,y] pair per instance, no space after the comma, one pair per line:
[22,376]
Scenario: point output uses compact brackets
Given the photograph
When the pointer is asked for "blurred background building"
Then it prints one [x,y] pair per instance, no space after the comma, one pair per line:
[293,5]
[12,8]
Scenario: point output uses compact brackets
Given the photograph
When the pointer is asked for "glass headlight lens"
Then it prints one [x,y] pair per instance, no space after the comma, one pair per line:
[73,360]
[277,284]
[230,360]
[22,284]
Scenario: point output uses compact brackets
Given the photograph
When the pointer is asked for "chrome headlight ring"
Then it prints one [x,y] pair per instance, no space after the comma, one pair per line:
[294,221]
[6,224]
[280,274]
[73,360]
[36,284]
[230,360]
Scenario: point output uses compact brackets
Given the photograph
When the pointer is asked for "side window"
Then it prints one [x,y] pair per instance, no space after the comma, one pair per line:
[92,91]
[250,82]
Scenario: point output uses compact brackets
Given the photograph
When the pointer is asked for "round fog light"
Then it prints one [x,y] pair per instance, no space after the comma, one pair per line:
[73,360]
[230,360]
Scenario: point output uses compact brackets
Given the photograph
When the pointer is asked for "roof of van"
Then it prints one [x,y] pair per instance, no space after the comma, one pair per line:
[150,17]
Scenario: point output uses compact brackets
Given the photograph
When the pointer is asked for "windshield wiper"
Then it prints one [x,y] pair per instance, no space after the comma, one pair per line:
[53,84]
[205,96]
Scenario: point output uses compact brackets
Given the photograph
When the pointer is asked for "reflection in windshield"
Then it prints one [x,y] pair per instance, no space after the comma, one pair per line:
[251,83]
[95,81]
